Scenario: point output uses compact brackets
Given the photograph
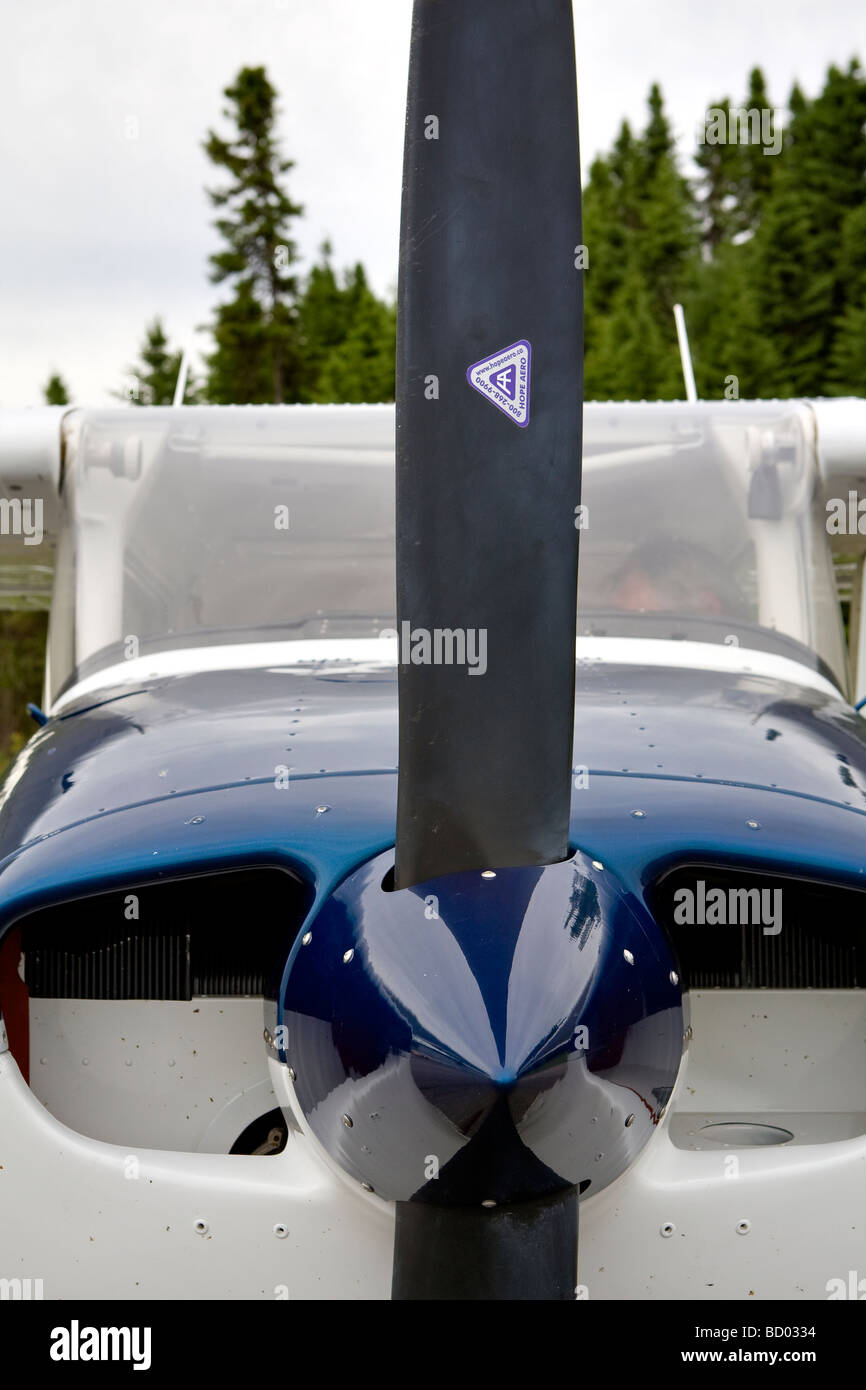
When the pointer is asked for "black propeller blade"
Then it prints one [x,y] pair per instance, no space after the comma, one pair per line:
[526,1252]
[489,402]
[489,398]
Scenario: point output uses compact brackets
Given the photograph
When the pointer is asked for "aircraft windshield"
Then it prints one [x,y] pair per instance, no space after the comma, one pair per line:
[195,527]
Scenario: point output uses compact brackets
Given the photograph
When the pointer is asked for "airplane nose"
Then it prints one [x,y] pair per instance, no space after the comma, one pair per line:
[484,1038]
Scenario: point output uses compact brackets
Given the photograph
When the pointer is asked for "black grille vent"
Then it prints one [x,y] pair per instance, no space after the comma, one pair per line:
[219,934]
[805,961]
[821,944]
[134,967]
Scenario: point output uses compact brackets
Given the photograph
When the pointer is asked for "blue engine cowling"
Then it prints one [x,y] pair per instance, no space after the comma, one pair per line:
[485,1037]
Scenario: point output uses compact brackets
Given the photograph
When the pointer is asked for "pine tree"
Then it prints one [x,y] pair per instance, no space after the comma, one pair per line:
[257,354]
[348,337]
[611,218]
[241,370]
[361,367]
[756,164]
[322,320]
[848,365]
[657,144]
[783,274]
[736,173]
[717,161]
[55,391]
[641,233]
[635,356]
[732,354]
[152,380]
[668,241]
[819,180]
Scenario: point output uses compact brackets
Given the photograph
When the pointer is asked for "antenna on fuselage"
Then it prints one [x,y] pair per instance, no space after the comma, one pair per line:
[685,354]
[182,374]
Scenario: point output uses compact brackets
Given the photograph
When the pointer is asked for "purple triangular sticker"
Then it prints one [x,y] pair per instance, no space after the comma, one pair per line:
[504,379]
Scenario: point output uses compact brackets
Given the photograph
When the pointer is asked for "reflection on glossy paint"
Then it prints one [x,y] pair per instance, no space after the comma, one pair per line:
[506,1037]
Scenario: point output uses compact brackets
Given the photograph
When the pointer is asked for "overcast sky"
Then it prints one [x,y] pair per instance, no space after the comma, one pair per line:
[99,231]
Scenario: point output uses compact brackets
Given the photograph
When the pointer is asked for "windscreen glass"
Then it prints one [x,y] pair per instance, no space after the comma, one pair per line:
[198,527]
